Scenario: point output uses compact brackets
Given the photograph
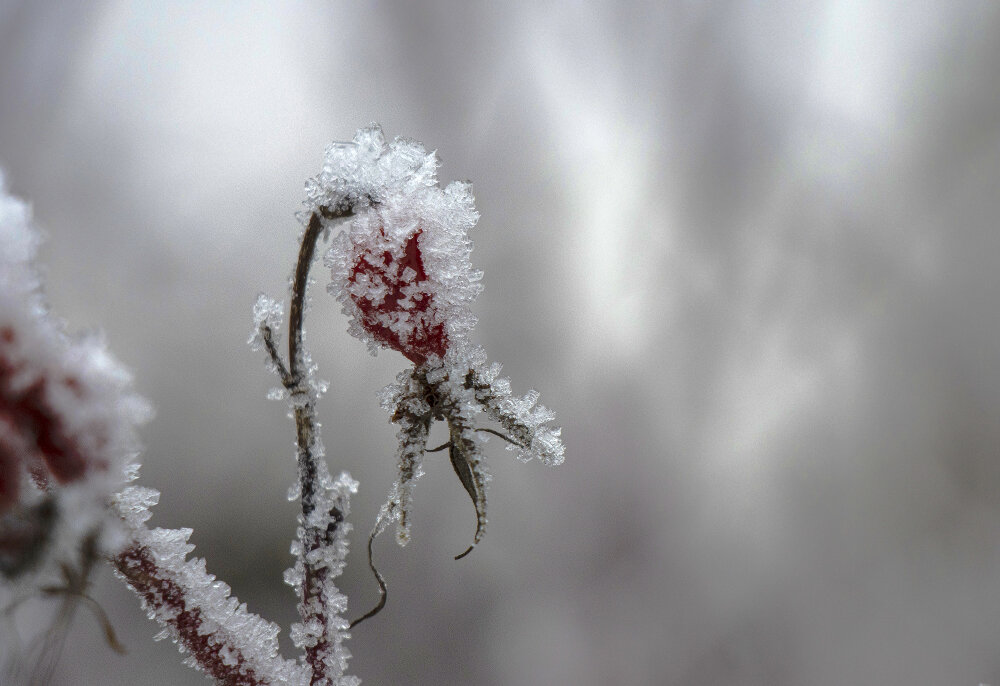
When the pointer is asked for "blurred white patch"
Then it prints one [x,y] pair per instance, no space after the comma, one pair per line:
[607,145]
[217,93]
[853,66]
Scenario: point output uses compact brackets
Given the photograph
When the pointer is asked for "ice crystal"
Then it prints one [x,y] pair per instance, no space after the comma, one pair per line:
[402,270]
[222,637]
[321,548]
[268,314]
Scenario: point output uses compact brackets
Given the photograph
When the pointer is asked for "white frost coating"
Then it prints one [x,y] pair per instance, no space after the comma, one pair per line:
[403,223]
[402,272]
[266,312]
[68,412]
[242,638]
[278,393]
[405,397]
[133,505]
[325,625]
[394,193]
[525,420]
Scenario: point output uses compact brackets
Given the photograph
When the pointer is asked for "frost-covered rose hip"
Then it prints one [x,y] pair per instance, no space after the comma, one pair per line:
[396,301]
[403,274]
[402,270]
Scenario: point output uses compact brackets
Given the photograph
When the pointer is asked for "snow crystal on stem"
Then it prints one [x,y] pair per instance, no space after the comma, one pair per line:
[223,639]
[268,315]
[320,549]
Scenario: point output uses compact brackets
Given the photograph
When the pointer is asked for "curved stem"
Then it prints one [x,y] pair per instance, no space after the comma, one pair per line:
[299,284]
[382,590]
[305,414]
[312,606]
[503,436]
[301,281]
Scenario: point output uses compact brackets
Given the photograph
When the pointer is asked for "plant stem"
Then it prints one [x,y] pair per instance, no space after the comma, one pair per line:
[312,607]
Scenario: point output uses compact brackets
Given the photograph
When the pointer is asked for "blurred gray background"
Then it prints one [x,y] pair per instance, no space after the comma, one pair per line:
[747,251]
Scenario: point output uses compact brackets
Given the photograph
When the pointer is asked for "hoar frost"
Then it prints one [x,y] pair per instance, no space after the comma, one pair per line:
[403,274]
[68,418]
[402,270]
[220,635]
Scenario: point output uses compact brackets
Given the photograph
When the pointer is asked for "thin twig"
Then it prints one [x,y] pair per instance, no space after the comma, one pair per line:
[299,284]
[305,414]
[272,351]
[382,590]
[314,229]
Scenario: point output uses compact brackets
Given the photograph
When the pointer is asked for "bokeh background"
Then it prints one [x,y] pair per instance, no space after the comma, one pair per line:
[749,252]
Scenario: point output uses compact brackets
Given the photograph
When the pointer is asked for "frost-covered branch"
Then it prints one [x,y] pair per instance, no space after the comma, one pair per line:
[320,552]
[221,637]
[402,271]
[320,545]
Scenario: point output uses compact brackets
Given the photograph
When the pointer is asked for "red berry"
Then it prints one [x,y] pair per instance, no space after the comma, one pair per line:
[421,334]
[35,435]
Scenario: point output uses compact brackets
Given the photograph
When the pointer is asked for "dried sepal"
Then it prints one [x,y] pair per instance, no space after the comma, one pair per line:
[524,421]
[413,416]
[470,469]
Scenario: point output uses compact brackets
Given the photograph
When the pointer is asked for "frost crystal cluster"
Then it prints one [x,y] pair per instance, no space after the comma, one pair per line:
[402,271]
[403,274]
[222,638]
[67,419]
